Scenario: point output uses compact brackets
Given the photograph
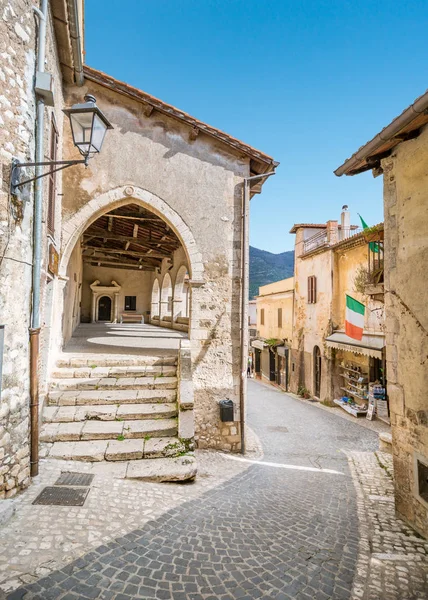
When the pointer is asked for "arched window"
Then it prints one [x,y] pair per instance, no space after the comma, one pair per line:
[166,298]
[181,293]
[155,300]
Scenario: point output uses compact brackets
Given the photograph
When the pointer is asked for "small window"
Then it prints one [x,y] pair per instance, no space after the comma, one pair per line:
[53,155]
[312,289]
[279,317]
[130,302]
[262,316]
[422,476]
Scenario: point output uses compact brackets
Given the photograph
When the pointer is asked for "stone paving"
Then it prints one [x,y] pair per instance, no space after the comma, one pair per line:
[313,520]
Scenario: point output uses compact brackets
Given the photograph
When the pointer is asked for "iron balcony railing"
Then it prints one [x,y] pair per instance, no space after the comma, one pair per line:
[321,238]
[375,263]
[317,240]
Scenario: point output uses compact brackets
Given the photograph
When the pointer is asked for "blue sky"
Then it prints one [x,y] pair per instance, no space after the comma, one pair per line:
[307,82]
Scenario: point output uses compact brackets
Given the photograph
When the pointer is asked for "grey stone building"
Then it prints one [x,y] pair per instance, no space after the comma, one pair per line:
[149,231]
[399,153]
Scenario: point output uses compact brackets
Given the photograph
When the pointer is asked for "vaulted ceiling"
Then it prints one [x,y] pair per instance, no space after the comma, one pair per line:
[129,237]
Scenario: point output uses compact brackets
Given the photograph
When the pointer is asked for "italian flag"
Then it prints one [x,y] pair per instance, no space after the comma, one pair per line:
[354,318]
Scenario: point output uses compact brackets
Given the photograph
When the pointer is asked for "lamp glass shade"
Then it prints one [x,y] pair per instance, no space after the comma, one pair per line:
[88,126]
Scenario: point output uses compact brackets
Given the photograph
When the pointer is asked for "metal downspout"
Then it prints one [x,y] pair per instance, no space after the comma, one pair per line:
[245,269]
[76,41]
[37,252]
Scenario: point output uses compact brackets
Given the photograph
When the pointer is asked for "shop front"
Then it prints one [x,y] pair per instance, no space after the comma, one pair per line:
[359,375]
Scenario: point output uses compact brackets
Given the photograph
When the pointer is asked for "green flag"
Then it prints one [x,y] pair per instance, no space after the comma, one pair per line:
[372,245]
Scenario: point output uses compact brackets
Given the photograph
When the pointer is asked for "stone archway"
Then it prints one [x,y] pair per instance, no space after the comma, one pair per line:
[166,300]
[120,196]
[181,294]
[155,306]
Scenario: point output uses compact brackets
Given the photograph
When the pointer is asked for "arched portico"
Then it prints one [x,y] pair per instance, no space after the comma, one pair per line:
[121,196]
[155,307]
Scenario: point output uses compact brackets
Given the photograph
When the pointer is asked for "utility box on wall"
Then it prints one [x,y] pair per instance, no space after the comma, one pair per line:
[226,410]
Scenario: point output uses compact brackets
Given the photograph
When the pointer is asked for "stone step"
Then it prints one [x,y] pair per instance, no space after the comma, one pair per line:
[118,383]
[180,468]
[115,450]
[108,430]
[93,360]
[106,397]
[102,372]
[109,412]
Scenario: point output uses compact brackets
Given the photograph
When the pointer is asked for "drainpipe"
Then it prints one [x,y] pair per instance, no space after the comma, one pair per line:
[245,268]
[76,40]
[37,251]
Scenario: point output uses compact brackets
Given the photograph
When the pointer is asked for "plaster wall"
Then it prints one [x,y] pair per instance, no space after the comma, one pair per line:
[270,303]
[17,125]
[201,181]
[312,322]
[406,257]
[133,283]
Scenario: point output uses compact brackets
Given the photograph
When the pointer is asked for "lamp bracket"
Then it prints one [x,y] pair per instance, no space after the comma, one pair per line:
[15,183]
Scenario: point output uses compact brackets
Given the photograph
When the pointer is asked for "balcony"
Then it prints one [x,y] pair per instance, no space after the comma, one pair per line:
[375,270]
[316,241]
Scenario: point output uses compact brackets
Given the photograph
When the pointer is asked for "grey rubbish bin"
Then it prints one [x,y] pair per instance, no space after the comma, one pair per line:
[226,410]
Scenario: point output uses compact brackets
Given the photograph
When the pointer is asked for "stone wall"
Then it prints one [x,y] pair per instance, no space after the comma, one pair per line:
[200,182]
[406,257]
[17,124]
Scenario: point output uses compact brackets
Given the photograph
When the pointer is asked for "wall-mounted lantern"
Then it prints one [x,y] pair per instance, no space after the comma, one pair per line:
[88,126]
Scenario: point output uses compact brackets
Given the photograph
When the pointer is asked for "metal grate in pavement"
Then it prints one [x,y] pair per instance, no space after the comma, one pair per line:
[71,478]
[62,496]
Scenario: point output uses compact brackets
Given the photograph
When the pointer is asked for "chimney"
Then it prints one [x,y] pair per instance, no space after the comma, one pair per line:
[332,237]
[345,222]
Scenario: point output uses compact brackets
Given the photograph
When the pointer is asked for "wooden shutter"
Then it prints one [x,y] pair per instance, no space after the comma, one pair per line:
[314,289]
[262,316]
[279,317]
[53,153]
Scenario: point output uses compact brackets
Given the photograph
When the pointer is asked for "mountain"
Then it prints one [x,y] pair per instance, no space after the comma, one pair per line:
[266,267]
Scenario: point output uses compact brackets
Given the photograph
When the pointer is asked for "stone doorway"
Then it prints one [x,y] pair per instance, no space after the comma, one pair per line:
[104,309]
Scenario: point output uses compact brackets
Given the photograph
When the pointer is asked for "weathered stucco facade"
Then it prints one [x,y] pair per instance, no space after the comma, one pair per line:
[196,186]
[335,263]
[406,240]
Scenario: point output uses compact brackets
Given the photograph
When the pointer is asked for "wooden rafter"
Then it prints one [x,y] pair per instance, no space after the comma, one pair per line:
[107,250]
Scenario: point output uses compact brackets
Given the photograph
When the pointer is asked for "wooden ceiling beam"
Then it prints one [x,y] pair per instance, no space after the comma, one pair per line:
[128,268]
[123,263]
[94,231]
[148,254]
[136,217]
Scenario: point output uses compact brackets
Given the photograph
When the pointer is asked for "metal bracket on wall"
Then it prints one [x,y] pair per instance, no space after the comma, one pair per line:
[15,182]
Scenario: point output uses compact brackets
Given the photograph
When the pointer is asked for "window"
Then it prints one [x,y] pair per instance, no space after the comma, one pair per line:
[53,155]
[262,316]
[279,317]
[312,289]
[130,302]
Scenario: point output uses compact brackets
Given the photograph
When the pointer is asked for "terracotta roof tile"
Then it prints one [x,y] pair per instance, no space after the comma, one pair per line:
[133,92]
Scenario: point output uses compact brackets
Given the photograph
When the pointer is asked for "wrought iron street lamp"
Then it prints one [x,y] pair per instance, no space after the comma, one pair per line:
[88,126]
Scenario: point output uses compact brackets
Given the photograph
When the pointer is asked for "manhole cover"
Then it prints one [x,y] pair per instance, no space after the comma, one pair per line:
[278,428]
[62,496]
[70,478]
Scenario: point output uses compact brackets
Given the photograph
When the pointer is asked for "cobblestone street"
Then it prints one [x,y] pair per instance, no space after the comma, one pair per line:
[314,519]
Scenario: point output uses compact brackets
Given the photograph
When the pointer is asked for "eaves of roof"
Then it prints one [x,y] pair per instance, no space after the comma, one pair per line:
[297,226]
[260,162]
[405,127]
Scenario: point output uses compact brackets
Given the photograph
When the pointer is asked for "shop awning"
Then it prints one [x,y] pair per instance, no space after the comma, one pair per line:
[282,350]
[370,345]
[258,344]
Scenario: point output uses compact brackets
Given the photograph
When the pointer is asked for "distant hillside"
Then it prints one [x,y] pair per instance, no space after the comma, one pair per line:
[266,267]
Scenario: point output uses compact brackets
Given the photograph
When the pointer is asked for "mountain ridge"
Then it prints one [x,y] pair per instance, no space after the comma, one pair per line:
[267,267]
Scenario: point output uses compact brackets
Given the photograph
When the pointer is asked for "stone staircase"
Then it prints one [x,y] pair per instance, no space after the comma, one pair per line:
[117,410]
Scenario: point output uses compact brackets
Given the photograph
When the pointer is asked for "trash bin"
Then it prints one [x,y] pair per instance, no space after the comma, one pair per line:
[226,410]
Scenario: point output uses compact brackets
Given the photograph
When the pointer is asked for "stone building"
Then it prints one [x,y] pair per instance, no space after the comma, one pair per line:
[329,261]
[274,332]
[150,231]
[399,153]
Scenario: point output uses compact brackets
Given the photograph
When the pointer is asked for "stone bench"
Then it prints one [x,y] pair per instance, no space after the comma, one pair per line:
[133,316]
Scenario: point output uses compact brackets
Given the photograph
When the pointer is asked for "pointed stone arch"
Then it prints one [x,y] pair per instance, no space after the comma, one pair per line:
[83,218]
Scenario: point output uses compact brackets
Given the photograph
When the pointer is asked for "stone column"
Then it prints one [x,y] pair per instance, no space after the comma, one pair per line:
[115,307]
[93,307]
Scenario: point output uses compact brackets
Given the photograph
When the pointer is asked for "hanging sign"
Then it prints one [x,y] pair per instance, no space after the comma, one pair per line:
[53,260]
